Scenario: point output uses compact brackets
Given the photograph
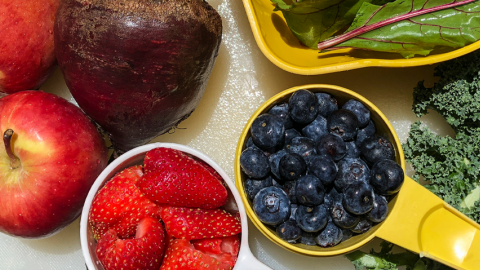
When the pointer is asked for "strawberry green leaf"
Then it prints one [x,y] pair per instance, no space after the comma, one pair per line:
[411,27]
[312,21]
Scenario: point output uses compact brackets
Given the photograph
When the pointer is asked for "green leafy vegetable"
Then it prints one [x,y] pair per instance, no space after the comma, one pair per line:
[411,27]
[451,166]
[312,21]
[387,260]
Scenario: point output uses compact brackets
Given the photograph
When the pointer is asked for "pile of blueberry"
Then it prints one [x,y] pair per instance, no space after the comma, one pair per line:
[317,173]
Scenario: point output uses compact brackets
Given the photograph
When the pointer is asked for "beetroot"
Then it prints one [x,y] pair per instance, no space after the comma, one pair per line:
[137,67]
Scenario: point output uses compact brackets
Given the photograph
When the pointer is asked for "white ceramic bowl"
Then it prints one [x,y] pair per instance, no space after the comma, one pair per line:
[245,261]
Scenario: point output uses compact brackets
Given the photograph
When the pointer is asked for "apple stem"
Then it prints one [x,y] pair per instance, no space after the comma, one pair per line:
[14,160]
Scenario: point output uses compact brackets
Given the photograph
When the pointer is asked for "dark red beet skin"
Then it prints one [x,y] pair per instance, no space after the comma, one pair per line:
[137,67]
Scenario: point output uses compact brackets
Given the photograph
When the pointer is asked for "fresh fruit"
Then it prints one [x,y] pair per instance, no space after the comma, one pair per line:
[380,209]
[387,177]
[343,123]
[27,57]
[272,206]
[289,231]
[144,252]
[303,106]
[254,163]
[181,254]
[120,205]
[376,148]
[268,131]
[362,113]
[291,167]
[138,68]
[182,182]
[196,223]
[324,168]
[320,172]
[51,158]
[358,198]
[326,104]
[309,190]
[351,170]
[281,111]
[311,219]
[330,236]
[332,145]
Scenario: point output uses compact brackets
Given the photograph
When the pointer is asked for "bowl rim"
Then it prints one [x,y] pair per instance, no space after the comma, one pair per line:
[349,65]
[238,171]
[244,252]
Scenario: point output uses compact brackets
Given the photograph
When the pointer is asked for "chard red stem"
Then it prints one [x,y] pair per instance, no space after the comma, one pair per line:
[7,138]
[366,28]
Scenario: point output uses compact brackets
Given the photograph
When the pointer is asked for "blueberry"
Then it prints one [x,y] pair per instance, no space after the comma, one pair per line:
[352,150]
[291,167]
[380,209]
[387,177]
[289,231]
[347,234]
[362,226]
[326,104]
[376,148]
[341,217]
[290,134]
[289,188]
[303,106]
[308,238]
[316,129]
[324,168]
[250,143]
[254,163]
[330,236]
[309,190]
[252,186]
[301,145]
[332,145]
[311,219]
[343,123]
[268,131]
[358,198]
[272,206]
[362,113]
[365,133]
[274,160]
[351,170]
[281,110]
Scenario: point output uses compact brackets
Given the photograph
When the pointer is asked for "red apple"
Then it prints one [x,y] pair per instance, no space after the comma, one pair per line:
[49,164]
[27,55]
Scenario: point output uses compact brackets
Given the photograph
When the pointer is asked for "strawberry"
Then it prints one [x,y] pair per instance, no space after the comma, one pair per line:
[181,254]
[190,223]
[120,205]
[225,248]
[173,177]
[144,252]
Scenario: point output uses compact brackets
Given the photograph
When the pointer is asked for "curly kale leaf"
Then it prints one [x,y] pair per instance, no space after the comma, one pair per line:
[451,166]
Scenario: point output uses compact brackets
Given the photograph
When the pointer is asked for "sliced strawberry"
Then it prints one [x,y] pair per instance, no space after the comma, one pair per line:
[196,223]
[224,246]
[120,205]
[144,252]
[181,254]
[173,177]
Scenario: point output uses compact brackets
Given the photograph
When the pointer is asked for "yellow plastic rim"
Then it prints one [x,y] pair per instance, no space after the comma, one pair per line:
[335,91]
[280,51]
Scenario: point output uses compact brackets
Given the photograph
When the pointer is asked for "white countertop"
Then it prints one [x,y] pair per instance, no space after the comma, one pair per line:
[242,79]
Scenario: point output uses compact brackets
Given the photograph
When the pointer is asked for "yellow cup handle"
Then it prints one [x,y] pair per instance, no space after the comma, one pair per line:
[423,223]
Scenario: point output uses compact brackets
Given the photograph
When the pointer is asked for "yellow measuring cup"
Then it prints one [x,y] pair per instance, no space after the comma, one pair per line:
[418,220]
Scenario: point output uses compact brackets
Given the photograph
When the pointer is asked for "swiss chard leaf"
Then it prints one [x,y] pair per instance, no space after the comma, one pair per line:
[397,27]
[312,21]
